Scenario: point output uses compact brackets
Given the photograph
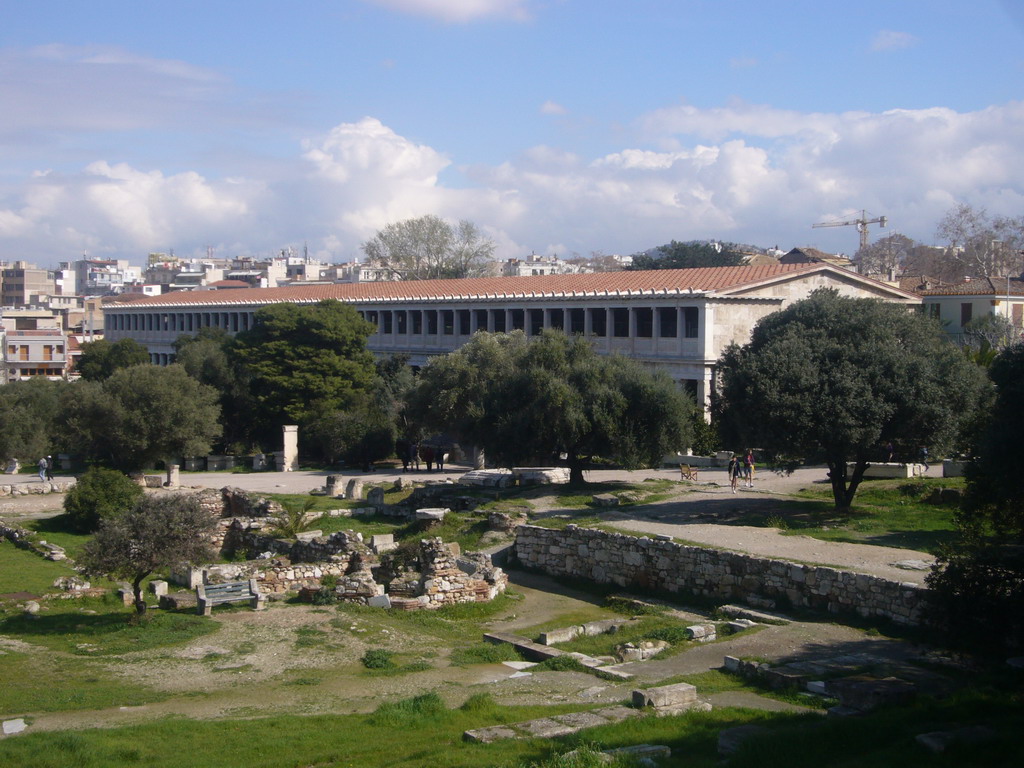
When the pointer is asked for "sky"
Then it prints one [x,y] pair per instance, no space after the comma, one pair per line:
[558,127]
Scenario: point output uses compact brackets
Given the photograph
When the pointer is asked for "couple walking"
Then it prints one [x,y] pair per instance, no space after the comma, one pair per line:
[741,466]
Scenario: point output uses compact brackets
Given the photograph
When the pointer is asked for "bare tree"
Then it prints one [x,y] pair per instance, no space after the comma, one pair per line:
[985,246]
[885,255]
[159,532]
[429,247]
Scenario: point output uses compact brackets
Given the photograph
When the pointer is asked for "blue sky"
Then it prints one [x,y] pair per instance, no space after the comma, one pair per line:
[557,126]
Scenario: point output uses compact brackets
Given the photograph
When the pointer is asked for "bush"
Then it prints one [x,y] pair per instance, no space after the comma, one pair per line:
[670,635]
[100,494]
[378,658]
[562,664]
[427,706]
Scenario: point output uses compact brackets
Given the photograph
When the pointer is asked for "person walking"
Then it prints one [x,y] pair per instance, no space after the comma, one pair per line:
[42,469]
[734,472]
[49,467]
[748,468]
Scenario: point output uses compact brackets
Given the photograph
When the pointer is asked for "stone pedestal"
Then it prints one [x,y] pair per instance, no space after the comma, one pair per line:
[333,485]
[173,476]
[290,458]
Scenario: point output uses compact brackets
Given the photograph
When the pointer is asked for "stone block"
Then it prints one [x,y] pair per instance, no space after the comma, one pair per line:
[158,587]
[939,741]
[11,727]
[307,536]
[383,542]
[605,500]
[546,728]
[487,735]
[866,693]
[665,696]
[379,601]
[563,635]
[354,489]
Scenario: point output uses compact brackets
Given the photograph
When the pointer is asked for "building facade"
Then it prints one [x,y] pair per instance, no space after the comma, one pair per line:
[676,321]
[957,305]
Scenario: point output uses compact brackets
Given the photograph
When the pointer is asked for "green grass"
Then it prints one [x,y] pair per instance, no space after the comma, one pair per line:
[48,682]
[484,653]
[644,628]
[24,571]
[64,625]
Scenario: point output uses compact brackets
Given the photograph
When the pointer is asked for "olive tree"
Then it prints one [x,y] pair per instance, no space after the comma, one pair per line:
[159,532]
[524,400]
[833,379]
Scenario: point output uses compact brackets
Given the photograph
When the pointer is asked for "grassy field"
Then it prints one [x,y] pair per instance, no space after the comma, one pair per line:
[24,571]
[422,732]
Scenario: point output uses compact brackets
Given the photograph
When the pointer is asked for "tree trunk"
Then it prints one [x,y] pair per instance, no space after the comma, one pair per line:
[844,486]
[140,604]
[575,469]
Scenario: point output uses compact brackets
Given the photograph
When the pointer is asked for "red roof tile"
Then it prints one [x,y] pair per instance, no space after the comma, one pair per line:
[980,286]
[600,283]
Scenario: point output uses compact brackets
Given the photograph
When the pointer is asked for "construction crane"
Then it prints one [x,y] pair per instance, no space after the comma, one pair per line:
[861,223]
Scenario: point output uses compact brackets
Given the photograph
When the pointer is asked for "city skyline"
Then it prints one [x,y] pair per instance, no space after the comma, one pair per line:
[557,126]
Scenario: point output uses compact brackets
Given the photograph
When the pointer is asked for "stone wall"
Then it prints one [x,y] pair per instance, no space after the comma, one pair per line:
[24,489]
[665,566]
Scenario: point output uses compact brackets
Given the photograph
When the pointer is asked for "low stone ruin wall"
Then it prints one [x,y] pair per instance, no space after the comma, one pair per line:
[663,565]
[24,489]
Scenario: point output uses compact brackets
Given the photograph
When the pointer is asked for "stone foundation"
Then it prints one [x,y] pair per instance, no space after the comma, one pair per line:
[659,565]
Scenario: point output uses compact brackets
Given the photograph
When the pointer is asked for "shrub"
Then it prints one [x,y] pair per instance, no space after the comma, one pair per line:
[670,635]
[427,706]
[378,658]
[562,664]
[100,494]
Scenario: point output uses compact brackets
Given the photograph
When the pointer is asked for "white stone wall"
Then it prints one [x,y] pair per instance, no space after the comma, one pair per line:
[662,565]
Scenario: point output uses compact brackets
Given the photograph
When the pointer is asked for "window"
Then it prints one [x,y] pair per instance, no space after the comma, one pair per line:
[691,327]
[518,320]
[966,312]
[536,321]
[599,322]
[620,322]
[644,322]
[577,321]
[401,322]
[416,316]
[667,322]
[557,319]
[464,318]
[385,317]
[499,320]
[448,320]
[932,310]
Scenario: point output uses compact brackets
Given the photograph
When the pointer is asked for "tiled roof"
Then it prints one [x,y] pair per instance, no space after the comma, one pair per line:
[667,281]
[980,286]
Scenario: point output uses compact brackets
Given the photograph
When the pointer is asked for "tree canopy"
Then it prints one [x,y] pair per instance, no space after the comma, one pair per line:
[835,379]
[302,361]
[100,494]
[428,247]
[140,415]
[28,410]
[526,400]
[977,587]
[159,532]
[99,359]
[689,255]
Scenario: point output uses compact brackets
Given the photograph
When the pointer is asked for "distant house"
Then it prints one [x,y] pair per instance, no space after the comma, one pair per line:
[957,305]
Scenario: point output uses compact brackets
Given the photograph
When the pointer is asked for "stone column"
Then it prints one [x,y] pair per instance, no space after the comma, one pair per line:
[290,460]
[173,480]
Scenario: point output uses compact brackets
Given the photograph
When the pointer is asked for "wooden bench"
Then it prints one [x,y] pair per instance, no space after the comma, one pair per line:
[209,595]
[687,472]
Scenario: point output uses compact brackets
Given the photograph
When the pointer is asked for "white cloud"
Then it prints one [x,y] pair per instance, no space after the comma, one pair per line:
[750,173]
[889,40]
[552,108]
[460,11]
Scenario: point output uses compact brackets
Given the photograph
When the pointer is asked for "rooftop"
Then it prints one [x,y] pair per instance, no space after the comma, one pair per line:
[652,282]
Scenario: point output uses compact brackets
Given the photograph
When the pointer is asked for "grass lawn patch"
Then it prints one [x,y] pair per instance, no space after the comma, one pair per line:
[48,682]
[484,653]
[24,571]
[72,627]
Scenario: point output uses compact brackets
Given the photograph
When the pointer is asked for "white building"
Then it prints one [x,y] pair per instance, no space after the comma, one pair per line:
[957,305]
[676,320]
